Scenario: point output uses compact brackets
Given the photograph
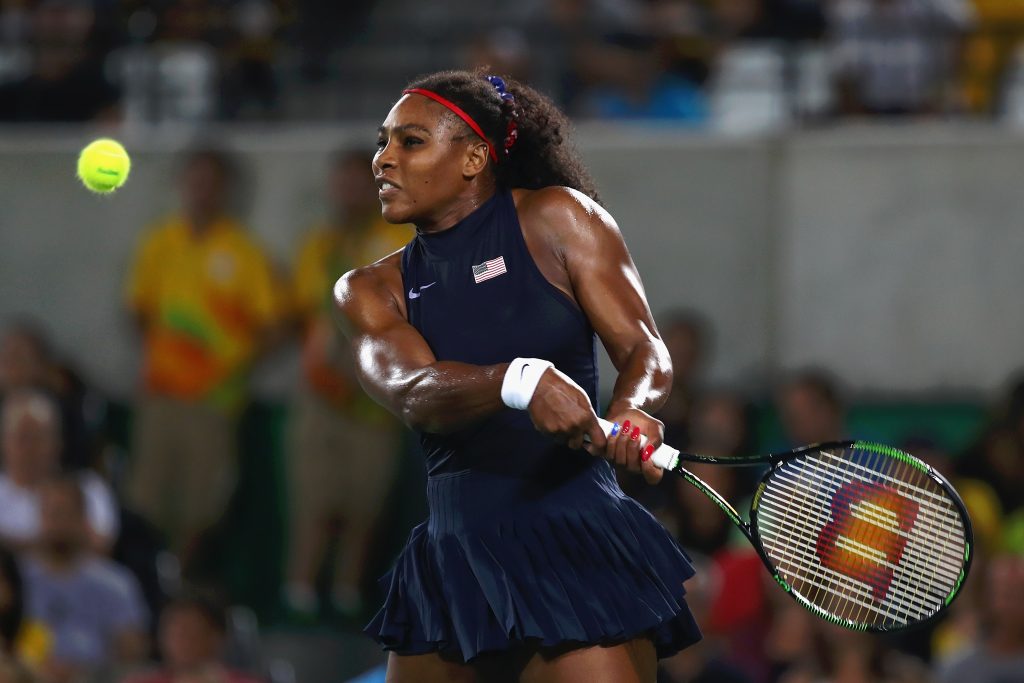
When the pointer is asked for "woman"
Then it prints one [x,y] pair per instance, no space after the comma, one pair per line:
[532,566]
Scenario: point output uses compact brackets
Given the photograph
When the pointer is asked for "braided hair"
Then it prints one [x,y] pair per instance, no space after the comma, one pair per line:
[534,151]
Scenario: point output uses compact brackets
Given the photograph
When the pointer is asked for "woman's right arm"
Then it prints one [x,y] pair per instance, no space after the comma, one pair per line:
[396,367]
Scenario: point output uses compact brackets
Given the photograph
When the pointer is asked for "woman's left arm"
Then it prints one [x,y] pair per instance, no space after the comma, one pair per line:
[607,287]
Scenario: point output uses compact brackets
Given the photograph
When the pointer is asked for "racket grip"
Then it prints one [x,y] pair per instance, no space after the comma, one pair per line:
[664,457]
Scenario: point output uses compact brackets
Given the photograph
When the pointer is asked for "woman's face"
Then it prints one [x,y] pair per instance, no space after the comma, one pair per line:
[425,158]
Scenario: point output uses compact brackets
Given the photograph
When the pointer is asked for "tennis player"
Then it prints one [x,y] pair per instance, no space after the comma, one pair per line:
[532,566]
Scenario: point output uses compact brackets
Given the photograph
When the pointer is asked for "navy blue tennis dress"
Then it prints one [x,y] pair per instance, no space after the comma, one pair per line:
[526,540]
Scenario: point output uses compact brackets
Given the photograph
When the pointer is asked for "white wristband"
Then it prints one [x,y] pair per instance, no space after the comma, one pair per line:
[521,381]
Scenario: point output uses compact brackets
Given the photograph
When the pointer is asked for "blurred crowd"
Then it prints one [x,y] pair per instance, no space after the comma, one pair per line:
[105,569]
[722,64]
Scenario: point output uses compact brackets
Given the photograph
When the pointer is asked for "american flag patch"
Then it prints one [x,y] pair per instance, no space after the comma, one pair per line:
[489,269]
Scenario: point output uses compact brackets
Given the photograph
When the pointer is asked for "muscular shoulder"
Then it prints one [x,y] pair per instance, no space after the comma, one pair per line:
[365,292]
[562,215]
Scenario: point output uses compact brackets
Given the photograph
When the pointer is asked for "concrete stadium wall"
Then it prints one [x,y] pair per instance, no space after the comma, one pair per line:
[891,255]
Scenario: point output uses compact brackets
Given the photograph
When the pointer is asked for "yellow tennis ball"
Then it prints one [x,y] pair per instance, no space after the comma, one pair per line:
[103,165]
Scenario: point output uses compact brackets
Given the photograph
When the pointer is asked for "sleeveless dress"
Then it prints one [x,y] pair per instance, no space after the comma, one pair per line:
[526,540]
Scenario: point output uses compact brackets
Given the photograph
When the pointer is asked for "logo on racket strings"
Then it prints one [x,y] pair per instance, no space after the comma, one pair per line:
[867,533]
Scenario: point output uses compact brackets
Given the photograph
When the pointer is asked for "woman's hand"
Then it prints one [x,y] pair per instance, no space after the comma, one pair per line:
[624,448]
[561,408]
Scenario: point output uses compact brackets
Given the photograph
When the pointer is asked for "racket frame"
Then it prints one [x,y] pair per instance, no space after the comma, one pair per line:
[777,460]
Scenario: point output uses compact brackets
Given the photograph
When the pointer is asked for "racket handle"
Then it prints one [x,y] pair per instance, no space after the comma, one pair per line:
[664,457]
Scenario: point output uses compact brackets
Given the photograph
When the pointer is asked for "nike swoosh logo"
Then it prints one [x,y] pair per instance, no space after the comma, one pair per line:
[522,370]
[413,294]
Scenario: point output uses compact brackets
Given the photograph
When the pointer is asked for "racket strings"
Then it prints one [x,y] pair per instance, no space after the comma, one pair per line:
[941,564]
[825,578]
[940,531]
[819,520]
[903,563]
[870,543]
[807,566]
[899,600]
[940,519]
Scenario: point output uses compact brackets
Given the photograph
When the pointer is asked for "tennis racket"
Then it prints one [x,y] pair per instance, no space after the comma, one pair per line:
[861,534]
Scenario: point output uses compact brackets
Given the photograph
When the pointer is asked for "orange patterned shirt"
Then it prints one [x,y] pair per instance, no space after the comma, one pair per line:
[206,300]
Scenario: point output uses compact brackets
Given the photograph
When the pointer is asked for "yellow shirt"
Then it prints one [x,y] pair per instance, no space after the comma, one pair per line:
[206,300]
[325,255]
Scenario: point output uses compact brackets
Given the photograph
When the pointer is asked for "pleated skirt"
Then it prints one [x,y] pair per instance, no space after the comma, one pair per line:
[499,565]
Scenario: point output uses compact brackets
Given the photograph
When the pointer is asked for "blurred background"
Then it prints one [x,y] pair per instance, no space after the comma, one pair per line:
[824,198]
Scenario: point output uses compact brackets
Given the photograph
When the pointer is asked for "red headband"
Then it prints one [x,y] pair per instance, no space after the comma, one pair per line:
[457,110]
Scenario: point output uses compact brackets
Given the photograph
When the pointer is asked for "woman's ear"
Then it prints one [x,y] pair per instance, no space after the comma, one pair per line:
[476,159]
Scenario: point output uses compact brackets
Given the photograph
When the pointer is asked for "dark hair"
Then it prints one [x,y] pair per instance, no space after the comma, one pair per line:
[203,603]
[219,157]
[542,155]
[819,382]
[692,320]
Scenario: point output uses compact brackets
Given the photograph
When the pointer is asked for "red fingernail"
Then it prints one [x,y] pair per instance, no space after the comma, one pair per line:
[635,435]
[625,428]
[645,454]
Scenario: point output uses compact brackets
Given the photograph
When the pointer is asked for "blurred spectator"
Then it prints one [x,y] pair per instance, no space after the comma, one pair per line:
[27,362]
[566,38]
[324,27]
[66,81]
[15,21]
[738,18]
[844,656]
[250,88]
[628,79]
[998,457]
[192,21]
[802,648]
[191,640]
[687,335]
[790,20]
[810,409]
[24,359]
[979,497]
[30,424]
[721,427]
[896,57]
[709,660]
[26,640]
[502,51]
[335,425]
[206,300]
[790,643]
[998,656]
[91,605]
[11,671]
[992,58]
[684,39]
